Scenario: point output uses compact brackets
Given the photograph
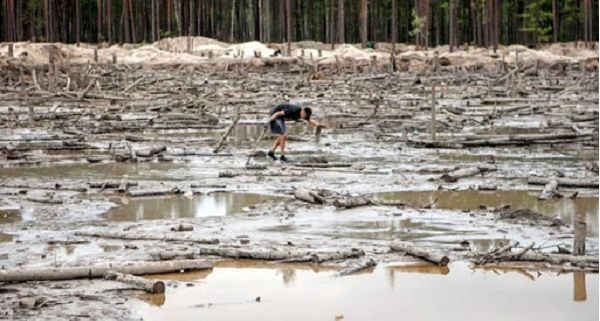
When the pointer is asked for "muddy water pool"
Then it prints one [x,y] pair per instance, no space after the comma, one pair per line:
[232,291]
[174,207]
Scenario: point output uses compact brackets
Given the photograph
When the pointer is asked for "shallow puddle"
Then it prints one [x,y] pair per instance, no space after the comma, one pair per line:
[265,291]
[10,216]
[4,237]
[585,208]
[174,207]
[103,171]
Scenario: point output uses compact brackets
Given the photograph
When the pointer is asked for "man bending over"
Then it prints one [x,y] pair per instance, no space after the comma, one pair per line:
[279,115]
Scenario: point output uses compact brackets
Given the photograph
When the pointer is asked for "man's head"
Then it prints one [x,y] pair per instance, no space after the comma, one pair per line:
[305,113]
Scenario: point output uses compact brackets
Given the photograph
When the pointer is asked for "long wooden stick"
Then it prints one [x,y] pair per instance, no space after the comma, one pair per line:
[256,144]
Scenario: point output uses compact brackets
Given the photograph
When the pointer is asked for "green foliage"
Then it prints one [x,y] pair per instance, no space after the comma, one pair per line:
[418,24]
[537,20]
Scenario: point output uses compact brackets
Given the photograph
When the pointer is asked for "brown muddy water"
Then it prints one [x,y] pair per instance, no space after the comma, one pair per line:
[584,208]
[231,291]
[175,207]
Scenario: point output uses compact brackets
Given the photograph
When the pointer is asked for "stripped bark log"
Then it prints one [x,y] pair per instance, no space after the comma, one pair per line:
[150,151]
[256,254]
[361,266]
[572,182]
[110,184]
[155,192]
[411,249]
[133,236]
[549,191]
[466,172]
[352,202]
[223,138]
[150,286]
[97,271]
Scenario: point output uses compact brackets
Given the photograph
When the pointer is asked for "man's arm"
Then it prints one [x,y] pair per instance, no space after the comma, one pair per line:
[277,115]
[313,123]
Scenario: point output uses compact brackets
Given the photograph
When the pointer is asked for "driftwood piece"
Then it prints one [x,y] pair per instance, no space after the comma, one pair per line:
[154,192]
[183,228]
[134,236]
[150,286]
[465,172]
[255,254]
[97,271]
[305,195]
[361,266]
[110,184]
[150,151]
[572,182]
[223,138]
[411,249]
[549,191]
[352,202]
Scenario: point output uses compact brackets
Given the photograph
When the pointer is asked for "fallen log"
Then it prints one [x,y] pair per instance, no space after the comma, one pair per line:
[361,266]
[183,228]
[150,286]
[150,151]
[592,166]
[45,200]
[352,202]
[549,191]
[133,236]
[323,165]
[321,257]
[97,271]
[110,184]
[223,138]
[48,186]
[230,174]
[262,254]
[305,195]
[572,182]
[559,258]
[175,255]
[411,249]
[155,192]
[465,172]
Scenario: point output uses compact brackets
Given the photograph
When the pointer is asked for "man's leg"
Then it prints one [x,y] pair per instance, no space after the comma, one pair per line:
[283,139]
[276,143]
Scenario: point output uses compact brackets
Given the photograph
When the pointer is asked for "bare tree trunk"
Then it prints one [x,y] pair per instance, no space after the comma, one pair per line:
[363,22]
[341,27]
[451,25]
[232,22]
[554,22]
[125,25]
[132,22]
[99,20]
[169,17]
[107,19]
[78,21]
[332,24]
[288,13]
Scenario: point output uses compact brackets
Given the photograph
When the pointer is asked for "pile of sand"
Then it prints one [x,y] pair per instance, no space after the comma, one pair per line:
[173,51]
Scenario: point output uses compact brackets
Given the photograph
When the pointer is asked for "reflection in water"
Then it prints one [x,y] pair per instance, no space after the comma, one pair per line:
[102,171]
[465,294]
[564,208]
[79,250]
[174,207]
[579,293]
[4,237]
[10,216]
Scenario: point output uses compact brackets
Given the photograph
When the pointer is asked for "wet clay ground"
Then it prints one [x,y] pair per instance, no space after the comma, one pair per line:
[60,178]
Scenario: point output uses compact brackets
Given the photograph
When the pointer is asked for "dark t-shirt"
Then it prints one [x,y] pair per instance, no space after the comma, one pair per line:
[291,112]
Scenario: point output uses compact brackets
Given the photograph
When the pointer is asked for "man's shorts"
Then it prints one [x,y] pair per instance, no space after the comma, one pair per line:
[277,125]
